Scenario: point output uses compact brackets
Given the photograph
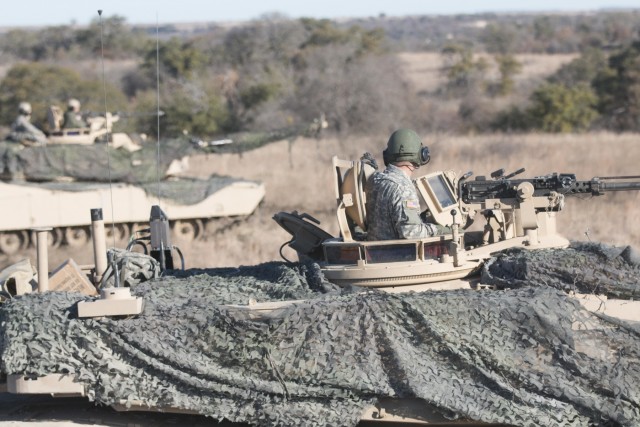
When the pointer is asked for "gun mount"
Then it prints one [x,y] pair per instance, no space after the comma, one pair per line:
[98,129]
[511,207]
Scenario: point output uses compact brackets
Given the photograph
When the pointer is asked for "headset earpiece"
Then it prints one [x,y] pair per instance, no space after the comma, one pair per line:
[425,155]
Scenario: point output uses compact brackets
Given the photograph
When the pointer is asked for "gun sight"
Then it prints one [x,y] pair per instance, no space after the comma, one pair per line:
[497,174]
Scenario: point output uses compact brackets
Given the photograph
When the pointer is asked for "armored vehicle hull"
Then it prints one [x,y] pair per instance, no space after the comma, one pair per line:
[310,353]
[65,206]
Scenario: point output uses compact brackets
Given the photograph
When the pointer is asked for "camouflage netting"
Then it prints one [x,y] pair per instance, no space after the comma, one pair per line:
[132,268]
[189,191]
[589,268]
[89,162]
[246,141]
[527,357]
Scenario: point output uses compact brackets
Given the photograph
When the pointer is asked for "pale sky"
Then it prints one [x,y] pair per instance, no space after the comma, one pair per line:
[46,12]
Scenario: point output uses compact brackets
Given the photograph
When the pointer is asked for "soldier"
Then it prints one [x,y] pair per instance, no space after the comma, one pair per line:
[393,208]
[22,130]
[72,118]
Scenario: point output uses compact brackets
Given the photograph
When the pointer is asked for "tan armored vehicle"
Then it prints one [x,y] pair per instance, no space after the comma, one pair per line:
[64,207]
[523,357]
[55,186]
[78,158]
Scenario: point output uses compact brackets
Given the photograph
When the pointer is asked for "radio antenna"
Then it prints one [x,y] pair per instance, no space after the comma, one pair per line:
[106,117]
[158,105]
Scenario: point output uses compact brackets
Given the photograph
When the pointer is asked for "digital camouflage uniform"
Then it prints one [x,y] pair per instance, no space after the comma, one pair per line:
[393,208]
[73,120]
[22,130]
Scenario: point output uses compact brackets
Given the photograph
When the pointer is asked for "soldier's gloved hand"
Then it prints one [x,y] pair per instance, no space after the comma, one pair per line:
[443,230]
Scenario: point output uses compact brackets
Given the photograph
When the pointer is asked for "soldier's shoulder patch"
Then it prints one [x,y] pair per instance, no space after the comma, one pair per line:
[412,204]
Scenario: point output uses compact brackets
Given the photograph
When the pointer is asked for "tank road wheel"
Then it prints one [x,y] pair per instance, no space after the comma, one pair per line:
[200,227]
[186,231]
[12,241]
[122,232]
[55,238]
[76,236]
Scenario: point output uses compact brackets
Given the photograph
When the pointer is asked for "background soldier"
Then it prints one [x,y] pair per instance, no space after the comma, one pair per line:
[22,130]
[72,117]
[393,207]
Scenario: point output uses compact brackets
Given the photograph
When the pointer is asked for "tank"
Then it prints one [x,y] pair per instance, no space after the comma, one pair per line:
[53,186]
[298,344]
[73,169]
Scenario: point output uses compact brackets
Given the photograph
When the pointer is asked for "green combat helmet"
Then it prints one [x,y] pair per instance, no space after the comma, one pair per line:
[405,146]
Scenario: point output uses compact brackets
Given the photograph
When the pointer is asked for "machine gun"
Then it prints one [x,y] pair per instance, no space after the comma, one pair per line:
[511,207]
[504,187]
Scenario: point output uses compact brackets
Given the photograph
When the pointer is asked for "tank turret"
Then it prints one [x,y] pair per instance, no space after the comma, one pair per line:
[517,213]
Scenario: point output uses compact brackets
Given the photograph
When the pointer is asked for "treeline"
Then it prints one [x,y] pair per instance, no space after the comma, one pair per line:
[276,72]
[523,33]
[268,74]
[597,90]
[67,42]
[487,32]
[593,91]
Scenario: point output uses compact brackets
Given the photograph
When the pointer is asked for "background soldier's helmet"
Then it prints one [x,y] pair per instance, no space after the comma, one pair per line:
[24,108]
[73,104]
[405,146]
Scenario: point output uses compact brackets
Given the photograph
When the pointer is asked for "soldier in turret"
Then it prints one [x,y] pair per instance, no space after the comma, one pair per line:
[22,130]
[393,207]
[72,117]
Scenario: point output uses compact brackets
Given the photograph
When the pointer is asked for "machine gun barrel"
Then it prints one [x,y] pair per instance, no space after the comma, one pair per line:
[622,186]
[600,185]
[127,114]
[139,113]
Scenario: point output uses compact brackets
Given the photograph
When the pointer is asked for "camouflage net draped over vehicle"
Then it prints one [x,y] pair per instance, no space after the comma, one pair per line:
[588,268]
[89,162]
[527,357]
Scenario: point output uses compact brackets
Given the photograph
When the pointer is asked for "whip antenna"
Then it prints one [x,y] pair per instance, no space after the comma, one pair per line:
[106,116]
[158,105]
